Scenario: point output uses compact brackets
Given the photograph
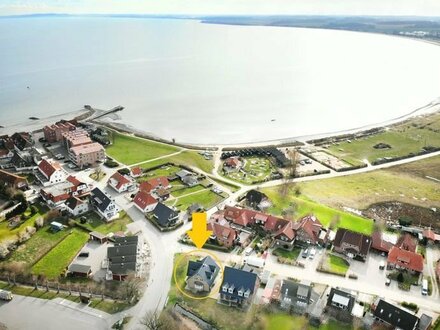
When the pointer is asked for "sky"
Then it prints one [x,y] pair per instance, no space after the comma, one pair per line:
[225,7]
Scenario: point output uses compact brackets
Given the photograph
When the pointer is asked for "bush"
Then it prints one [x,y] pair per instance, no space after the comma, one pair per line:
[124,171]
[111,163]
[22,207]
[410,306]
[400,278]
[405,221]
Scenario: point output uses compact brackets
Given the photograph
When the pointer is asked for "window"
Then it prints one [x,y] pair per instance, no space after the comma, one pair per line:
[231,290]
[240,293]
[225,288]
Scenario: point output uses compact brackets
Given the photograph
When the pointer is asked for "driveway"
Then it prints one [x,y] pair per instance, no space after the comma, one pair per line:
[50,315]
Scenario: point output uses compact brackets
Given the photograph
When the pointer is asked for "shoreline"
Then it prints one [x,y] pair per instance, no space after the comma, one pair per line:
[427,109]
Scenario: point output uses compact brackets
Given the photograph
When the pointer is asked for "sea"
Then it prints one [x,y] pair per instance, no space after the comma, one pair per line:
[210,83]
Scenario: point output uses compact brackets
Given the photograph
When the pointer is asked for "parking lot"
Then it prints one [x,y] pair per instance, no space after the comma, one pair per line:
[97,254]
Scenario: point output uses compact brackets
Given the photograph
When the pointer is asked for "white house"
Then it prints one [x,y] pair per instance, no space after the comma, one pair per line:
[104,205]
[144,202]
[52,172]
[76,206]
[120,183]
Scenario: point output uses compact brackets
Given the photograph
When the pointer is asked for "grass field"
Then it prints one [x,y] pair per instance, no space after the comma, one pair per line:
[6,232]
[281,321]
[165,170]
[130,150]
[336,264]
[404,139]
[95,223]
[292,255]
[37,246]
[188,158]
[183,190]
[297,207]
[205,197]
[54,262]
[406,183]
[255,169]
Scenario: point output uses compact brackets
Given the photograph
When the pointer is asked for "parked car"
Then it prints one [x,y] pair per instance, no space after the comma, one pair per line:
[308,161]
[83,254]
[312,253]
[382,265]
[424,287]
[248,251]
[387,282]
[305,253]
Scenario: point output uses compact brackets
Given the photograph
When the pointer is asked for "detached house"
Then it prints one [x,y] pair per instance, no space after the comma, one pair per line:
[56,194]
[295,296]
[12,180]
[308,230]
[201,275]
[123,257]
[76,206]
[340,304]
[238,287]
[404,259]
[51,172]
[104,204]
[165,216]
[120,183]
[353,245]
[136,172]
[394,316]
[144,202]
[222,232]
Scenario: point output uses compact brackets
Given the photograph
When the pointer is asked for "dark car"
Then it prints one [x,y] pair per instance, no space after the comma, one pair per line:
[83,254]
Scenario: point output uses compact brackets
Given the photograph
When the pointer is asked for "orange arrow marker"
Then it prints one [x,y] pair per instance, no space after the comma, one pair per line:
[199,234]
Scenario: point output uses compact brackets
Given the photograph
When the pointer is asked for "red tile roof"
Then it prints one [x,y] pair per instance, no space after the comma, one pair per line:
[406,259]
[74,180]
[120,180]
[161,181]
[242,217]
[145,186]
[232,162]
[379,244]
[144,199]
[407,242]
[49,168]
[311,225]
[136,171]
[286,230]
[429,234]
[223,232]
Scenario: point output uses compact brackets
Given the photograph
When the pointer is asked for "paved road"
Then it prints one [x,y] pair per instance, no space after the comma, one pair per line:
[26,313]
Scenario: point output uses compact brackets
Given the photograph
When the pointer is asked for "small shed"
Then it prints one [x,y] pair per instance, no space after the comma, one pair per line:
[56,226]
[98,237]
[79,270]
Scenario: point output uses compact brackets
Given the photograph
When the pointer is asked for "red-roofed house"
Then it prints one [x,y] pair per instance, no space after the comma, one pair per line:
[159,182]
[285,236]
[119,182]
[379,244]
[222,232]
[52,172]
[405,259]
[232,163]
[144,202]
[407,242]
[157,187]
[430,236]
[136,172]
[241,217]
[308,229]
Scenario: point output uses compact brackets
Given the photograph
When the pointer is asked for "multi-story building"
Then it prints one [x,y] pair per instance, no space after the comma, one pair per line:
[87,154]
[54,133]
[76,138]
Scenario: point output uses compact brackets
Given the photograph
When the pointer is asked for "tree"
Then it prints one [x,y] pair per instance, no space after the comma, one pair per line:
[293,157]
[162,321]
[131,287]
[400,277]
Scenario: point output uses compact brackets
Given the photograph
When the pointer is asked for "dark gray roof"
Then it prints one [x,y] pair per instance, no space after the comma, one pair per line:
[183,173]
[206,268]
[239,279]
[335,293]
[126,240]
[195,207]
[425,322]
[164,215]
[119,251]
[72,202]
[189,180]
[255,197]
[99,199]
[293,289]
[123,268]
[123,259]
[77,268]
[395,316]
[98,235]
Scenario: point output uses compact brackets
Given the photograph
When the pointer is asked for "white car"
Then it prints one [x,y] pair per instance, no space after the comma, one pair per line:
[312,253]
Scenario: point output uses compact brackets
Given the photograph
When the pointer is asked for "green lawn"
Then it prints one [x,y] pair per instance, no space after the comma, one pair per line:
[405,184]
[282,321]
[337,264]
[255,169]
[297,207]
[404,139]
[111,307]
[130,150]
[6,232]
[165,170]
[205,197]
[56,261]
[187,157]
[186,190]
[292,255]
[37,246]
[95,223]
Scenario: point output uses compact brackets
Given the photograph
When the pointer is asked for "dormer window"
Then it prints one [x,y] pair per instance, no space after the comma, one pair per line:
[240,293]
[231,290]
[225,288]
[247,293]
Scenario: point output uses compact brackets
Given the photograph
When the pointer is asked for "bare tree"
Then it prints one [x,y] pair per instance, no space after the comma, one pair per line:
[152,321]
[131,287]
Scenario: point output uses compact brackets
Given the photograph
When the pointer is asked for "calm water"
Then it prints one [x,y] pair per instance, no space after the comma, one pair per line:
[207,83]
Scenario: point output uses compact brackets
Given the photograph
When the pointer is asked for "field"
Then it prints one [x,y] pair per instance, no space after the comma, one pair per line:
[291,255]
[297,207]
[188,158]
[37,246]
[281,321]
[55,262]
[95,223]
[406,183]
[406,138]
[182,190]
[165,170]
[130,150]
[206,198]
[255,169]
[6,232]
[336,265]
